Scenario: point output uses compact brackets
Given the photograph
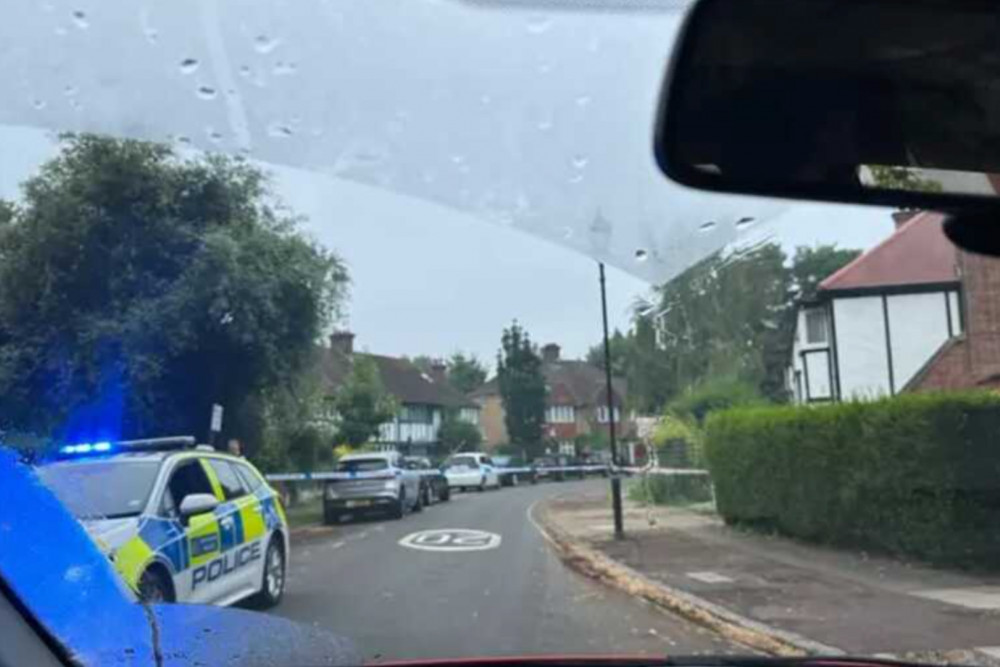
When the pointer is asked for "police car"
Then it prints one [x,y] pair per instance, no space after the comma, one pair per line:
[180,522]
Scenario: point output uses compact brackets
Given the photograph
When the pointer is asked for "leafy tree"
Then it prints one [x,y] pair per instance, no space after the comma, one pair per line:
[902,178]
[455,435]
[137,288]
[423,362]
[362,404]
[465,373]
[522,389]
[307,447]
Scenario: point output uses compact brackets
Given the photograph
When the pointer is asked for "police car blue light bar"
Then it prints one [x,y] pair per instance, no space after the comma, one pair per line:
[147,444]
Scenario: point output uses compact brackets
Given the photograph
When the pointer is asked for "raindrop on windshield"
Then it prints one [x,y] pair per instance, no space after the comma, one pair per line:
[38,104]
[539,24]
[583,100]
[152,35]
[707,226]
[213,135]
[544,67]
[567,233]
[80,19]
[189,66]
[544,125]
[576,178]
[70,91]
[264,44]
[282,68]
[183,140]
[279,131]
[743,223]
[60,31]
[458,159]
[207,92]
[245,71]
[641,255]
[580,161]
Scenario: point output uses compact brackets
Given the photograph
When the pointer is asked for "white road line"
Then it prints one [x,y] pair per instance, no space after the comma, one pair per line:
[709,577]
[973,597]
[531,518]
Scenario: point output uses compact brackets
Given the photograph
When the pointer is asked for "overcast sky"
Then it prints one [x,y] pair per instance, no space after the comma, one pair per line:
[469,165]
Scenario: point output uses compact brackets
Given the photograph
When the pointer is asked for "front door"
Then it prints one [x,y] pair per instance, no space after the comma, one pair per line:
[201,532]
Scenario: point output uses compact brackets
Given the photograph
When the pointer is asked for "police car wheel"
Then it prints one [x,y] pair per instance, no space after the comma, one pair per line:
[154,587]
[272,585]
[445,494]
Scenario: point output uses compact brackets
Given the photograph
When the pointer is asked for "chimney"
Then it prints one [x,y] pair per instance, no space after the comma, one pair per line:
[550,353]
[902,217]
[342,341]
[439,371]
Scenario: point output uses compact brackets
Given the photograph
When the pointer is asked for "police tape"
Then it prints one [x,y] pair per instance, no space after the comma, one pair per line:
[322,476]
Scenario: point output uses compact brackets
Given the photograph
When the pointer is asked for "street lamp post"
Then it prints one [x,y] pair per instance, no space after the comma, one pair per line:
[616,483]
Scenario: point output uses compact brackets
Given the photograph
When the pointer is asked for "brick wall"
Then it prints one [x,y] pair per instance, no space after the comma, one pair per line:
[981,289]
[947,369]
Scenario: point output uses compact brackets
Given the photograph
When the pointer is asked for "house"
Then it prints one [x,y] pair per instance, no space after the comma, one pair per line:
[576,403]
[913,313]
[425,399]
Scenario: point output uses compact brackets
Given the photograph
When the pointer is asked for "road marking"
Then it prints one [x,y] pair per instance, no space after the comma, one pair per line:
[709,577]
[451,539]
[531,518]
[974,597]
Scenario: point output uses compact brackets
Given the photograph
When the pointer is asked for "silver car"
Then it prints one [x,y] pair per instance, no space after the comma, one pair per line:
[375,482]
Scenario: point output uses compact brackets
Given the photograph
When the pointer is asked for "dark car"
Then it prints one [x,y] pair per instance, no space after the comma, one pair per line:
[433,483]
[513,471]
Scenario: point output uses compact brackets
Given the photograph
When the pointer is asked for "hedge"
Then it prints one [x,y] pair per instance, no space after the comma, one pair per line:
[676,489]
[915,475]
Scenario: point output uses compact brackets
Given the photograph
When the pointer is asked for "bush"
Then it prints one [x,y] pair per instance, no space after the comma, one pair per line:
[671,489]
[713,395]
[914,475]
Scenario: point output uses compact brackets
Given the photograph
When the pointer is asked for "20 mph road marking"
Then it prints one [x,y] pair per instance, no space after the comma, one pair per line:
[451,539]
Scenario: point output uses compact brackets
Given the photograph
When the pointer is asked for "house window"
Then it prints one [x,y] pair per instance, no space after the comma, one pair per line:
[602,414]
[416,414]
[560,414]
[816,326]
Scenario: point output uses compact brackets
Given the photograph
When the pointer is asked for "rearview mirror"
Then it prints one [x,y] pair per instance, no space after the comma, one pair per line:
[891,102]
[197,503]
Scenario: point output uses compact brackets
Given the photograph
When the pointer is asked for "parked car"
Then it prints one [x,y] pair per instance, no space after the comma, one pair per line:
[472,470]
[374,482]
[433,483]
[556,467]
[513,470]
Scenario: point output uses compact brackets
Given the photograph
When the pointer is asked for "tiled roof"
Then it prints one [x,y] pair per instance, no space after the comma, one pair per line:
[916,253]
[400,378]
[570,382]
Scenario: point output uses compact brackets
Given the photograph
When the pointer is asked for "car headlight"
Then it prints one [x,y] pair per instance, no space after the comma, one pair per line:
[392,485]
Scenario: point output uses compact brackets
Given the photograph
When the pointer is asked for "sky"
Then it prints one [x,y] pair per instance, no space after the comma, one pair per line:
[470,165]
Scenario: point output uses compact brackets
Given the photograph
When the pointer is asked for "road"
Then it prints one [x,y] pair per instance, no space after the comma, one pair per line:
[518,598]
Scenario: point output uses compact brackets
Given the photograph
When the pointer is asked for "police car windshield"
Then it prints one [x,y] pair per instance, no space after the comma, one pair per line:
[102,490]
[362,465]
[468,461]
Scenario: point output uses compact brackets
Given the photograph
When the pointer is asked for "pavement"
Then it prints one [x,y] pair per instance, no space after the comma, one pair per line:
[807,599]
[511,598]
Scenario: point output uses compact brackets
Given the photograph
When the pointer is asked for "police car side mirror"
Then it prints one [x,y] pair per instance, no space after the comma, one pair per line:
[197,503]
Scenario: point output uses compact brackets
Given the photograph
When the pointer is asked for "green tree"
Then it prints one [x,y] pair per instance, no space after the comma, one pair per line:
[522,389]
[902,178]
[362,404]
[465,373]
[455,435]
[137,288]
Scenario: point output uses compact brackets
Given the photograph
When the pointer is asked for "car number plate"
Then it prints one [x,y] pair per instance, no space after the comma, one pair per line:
[358,503]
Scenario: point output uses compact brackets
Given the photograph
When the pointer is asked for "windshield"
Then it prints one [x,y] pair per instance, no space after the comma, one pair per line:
[288,243]
[362,465]
[105,490]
